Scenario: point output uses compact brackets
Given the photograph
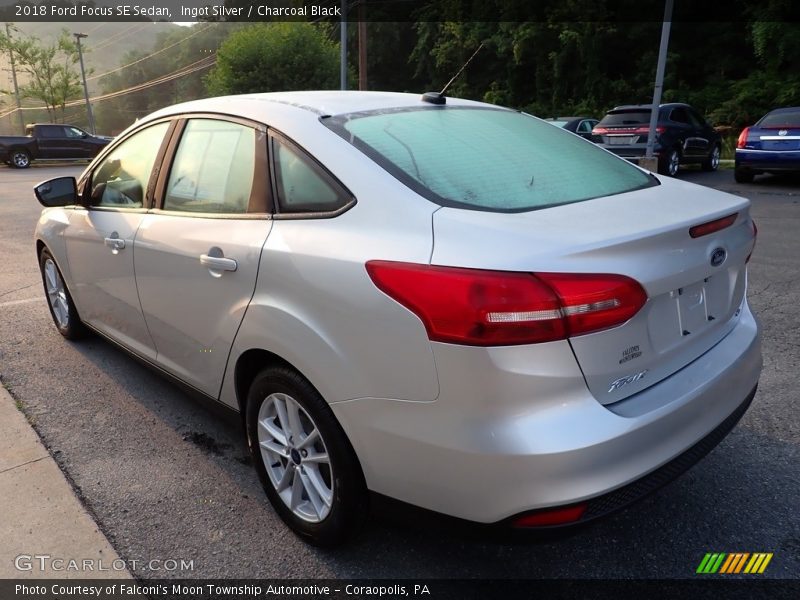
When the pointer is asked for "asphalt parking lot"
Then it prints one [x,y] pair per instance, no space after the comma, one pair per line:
[166,478]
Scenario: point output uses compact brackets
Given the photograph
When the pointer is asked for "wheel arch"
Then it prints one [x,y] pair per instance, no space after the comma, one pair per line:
[248,365]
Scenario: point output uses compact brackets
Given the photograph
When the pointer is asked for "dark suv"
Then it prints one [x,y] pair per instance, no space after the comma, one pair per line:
[682,136]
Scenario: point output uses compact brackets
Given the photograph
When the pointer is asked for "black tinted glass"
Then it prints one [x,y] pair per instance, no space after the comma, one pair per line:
[620,118]
[789,118]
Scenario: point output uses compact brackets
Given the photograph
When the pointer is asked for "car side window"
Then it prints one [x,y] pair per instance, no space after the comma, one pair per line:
[121,179]
[696,120]
[302,185]
[214,168]
[679,115]
[49,131]
[73,132]
[585,127]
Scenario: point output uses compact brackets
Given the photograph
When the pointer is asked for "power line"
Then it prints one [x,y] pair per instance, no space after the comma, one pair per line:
[208,61]
[115,37]
[149,55]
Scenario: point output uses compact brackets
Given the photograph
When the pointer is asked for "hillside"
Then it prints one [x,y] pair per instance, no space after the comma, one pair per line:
[105,46]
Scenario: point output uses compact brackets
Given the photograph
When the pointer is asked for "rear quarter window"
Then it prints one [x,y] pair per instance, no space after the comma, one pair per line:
[487,159]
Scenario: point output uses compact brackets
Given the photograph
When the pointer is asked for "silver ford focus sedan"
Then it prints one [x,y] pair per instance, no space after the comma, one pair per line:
[445,302]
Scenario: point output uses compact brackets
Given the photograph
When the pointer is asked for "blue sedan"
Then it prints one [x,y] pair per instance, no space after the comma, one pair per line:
[770,146]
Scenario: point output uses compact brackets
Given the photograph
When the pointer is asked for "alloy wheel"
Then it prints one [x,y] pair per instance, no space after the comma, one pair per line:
[20,159]
[714,158]
[674,162]
[295,457]
[56,293]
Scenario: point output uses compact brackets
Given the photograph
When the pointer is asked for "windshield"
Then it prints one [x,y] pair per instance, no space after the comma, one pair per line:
[487,159]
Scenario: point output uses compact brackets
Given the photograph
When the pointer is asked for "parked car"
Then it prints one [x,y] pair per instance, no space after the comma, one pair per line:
[468,328]
[581,125]
[772,145]
[682,136]
[49,141]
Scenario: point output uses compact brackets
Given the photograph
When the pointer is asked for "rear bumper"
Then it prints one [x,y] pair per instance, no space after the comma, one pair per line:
[511,433]
[606,504]
[633,151]
[765,160]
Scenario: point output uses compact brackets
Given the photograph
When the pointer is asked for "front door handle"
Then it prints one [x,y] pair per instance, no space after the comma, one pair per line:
[115,244]
[218,263]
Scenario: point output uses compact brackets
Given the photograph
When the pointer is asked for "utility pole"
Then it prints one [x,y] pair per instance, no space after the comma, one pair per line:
[78,37]
[659,86]
[362,46]
[14,79]
[343,48]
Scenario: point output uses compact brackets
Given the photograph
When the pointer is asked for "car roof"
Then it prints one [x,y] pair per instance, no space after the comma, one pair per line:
[650,106]
[297,114]
[567,118]
[784,109]
[314,103]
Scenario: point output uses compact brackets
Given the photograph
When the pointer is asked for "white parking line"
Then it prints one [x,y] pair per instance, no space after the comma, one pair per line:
[15,302]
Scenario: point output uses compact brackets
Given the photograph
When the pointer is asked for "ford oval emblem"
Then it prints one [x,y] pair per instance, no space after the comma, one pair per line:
[718,257]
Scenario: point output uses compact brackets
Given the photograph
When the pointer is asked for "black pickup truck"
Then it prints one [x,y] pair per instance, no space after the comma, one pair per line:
[49,141]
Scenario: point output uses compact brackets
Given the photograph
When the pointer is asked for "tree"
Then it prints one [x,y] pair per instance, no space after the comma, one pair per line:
[269,57]
[50,68]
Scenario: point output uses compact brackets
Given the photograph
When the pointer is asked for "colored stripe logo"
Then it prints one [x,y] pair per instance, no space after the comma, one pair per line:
[725,563]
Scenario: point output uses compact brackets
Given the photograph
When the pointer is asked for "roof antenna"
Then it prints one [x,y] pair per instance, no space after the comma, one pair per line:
[439,97]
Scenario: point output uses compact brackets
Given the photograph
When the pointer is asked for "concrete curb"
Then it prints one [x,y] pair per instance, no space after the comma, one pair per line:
[43,521]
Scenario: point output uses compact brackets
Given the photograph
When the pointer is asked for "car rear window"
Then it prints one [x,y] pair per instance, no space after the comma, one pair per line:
[785,118]
[487,159]
[618,118]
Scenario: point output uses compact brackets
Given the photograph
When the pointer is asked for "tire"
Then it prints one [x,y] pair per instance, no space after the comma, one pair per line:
[742,176]
[20,158]
[712,162]
[59,301]
[322,501]
[668,163]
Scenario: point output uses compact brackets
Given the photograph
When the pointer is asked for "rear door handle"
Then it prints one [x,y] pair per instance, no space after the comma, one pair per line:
[114,243]
[218,263]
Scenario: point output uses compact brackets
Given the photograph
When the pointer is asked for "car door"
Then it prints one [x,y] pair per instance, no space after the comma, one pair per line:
[100,238]
[79,144]
[197,254]
[50,140]
[585,127]
[703,133]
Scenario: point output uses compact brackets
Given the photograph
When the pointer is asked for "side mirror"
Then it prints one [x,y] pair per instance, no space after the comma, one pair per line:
[61,191]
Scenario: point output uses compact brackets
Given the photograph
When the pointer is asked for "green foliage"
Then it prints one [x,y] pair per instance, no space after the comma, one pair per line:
[51,69]
[269,57]
[172,53]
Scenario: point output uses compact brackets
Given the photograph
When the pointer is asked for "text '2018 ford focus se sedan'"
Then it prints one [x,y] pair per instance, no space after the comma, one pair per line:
[449,303]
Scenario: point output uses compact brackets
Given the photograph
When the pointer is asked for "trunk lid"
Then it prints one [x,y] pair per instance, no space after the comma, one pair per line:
[692,303]
[624,127]
[774,139]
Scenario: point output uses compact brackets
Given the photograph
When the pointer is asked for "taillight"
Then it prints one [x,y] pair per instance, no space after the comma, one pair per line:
[499,308]
[646,130]
[712,226]
[740,143]
[627,131]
